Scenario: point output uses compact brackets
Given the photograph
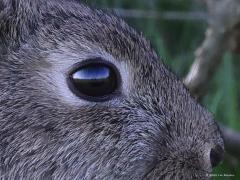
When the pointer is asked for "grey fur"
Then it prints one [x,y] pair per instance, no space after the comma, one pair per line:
[152,130]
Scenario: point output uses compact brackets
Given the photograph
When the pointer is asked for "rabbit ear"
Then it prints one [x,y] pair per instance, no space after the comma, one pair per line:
[18,18]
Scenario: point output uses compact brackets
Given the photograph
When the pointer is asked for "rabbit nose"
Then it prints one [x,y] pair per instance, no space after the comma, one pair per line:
[216,155]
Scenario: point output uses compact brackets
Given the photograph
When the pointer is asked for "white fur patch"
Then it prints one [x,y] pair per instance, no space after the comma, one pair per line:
[64,59]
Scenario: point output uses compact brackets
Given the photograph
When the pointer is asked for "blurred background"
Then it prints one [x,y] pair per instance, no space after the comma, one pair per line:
[176,28]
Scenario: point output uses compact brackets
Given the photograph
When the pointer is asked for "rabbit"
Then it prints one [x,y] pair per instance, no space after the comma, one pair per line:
[85,96]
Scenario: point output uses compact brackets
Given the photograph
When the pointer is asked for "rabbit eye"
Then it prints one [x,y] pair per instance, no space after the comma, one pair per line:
[94,81]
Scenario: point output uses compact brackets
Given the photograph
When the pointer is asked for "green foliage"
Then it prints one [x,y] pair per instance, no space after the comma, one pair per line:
[175,42]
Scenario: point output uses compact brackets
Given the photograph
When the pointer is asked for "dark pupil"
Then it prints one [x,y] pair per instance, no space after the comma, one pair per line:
[95,80]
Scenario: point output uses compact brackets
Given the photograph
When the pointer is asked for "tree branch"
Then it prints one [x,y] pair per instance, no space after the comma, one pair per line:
[208,57]
[224,17]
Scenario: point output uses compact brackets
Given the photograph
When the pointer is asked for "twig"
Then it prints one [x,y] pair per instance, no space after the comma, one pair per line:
[208,57]
[224,16]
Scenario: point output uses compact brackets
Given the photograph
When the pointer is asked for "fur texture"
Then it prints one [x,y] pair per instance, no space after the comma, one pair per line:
[152,130]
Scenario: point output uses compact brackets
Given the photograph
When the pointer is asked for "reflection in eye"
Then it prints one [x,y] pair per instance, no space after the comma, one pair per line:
[92,72]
